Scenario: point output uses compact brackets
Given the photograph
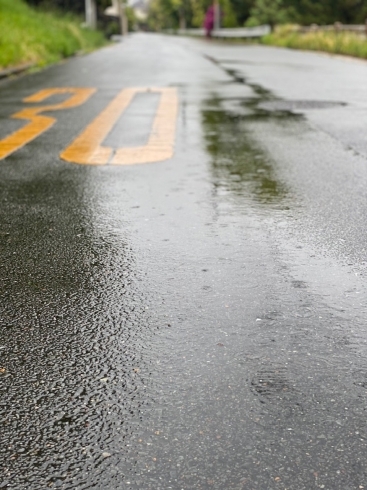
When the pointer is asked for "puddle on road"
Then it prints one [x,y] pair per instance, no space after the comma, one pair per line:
[238,165]
[241,169]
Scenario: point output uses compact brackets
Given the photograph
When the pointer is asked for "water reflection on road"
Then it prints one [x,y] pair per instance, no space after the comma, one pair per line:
[74,331]
[238,164]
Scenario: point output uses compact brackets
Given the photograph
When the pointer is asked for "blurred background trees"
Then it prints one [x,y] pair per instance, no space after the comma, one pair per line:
[168,13]
[190,13]
[76,6]
[271,12]
[109,25]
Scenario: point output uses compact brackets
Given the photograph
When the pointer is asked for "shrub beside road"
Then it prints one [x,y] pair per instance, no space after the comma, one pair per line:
[346,43]
[32,35]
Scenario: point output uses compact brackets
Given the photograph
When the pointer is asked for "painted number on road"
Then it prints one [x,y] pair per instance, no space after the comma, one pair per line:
[39,124]
[88,147]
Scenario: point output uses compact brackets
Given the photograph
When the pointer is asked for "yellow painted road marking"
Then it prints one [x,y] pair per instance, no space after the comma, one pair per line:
[39,124]
[87,148]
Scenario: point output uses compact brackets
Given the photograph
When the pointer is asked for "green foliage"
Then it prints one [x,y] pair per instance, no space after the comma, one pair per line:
[131,19]
[346,43]
[241,9]
[28,35]
[229,18]
[329,11]
[167,13]
[270,12]
[74,6]
[163,14]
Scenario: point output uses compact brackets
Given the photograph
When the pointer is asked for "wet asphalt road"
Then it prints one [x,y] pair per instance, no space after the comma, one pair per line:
[198,323]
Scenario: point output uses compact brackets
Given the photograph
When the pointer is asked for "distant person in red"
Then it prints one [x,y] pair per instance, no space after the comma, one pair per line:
[209,21]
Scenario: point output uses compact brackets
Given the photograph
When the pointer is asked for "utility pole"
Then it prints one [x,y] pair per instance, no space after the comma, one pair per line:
[118,9]
[182,22]
[123,18]
[182,14]
[91,13]
[216,15]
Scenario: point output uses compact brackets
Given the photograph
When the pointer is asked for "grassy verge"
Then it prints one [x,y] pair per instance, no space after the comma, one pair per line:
[331,42]
[30,35]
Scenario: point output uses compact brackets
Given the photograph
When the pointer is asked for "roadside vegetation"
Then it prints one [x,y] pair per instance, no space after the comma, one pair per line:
[282,15]
[170,14]
[346,43]
[29,34]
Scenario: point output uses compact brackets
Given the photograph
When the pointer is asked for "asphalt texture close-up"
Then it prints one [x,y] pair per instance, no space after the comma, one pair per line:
[183,295]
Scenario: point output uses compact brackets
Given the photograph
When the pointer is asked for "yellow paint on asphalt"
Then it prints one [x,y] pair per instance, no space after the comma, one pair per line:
[87,148]
[39,124]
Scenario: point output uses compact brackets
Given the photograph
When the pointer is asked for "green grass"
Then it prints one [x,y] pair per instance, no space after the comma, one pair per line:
[345,43]
[30,35]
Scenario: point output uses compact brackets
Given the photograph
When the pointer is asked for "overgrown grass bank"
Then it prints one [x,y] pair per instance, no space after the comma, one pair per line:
[30,35]
[331,42]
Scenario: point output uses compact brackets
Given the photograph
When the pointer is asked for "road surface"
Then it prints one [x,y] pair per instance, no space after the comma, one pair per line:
[183,263]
